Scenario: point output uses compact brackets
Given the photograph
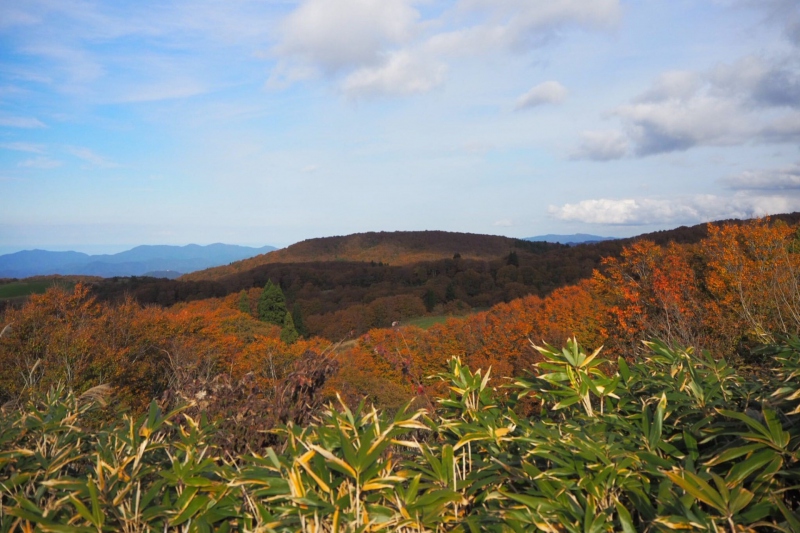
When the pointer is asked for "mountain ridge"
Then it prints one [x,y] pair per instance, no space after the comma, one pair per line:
[395,248]
[134,262]
[574,238]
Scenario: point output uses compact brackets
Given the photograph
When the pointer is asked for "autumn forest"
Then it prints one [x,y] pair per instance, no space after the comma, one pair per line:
[312,394]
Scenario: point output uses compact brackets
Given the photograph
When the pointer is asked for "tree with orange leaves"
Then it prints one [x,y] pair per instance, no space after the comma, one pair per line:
[572,311]
[650,292]
[754,279]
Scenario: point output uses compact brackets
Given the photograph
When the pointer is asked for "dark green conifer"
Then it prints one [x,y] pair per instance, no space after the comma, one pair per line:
[430,300]
[513,259]
[289,334]
[297,318]
[450,292]
[272,304]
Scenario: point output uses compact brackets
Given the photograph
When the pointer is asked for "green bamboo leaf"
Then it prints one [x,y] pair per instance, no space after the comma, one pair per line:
[625,518]
[733,453]
[658,421]
[350,455]
[189,510]
[532,502]
[567,402]
[791,518]
[63,528]
[742,470]
[340,465]
[740,497]
[83,511]
[97,510]
[186,497]
[779,437]
[698,489]
[624,370]
[752,423]
[448,464]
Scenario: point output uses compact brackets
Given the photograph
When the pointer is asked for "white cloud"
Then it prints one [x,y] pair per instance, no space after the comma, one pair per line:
[781,179]
[21,122]
[40,163]
[675,125]
[388,47]
[504,223]
[689,210]
[760,82]
[401,74]
[752,100]
[601,146]
[548,92]
[91,157]
[679,84]
[525,24]
[340,34]
[308,169]
[23,147]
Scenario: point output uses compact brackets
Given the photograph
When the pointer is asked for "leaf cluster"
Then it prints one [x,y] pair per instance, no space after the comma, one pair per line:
[677,441]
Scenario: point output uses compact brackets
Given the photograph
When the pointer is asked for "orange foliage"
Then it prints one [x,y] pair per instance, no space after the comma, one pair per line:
[742,280]
[650,292]
[753,276]
[574,311]
[66,336]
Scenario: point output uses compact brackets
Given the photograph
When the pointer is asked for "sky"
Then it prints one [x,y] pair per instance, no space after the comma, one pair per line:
[269,122]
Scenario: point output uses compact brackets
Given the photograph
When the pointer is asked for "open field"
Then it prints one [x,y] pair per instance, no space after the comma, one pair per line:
[425,322]
[18,289]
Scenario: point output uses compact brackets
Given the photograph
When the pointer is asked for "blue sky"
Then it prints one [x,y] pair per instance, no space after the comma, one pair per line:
[268,122]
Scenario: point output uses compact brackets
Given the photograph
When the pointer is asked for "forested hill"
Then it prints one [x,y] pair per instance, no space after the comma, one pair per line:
[393,248]
[401,248]
[340,296]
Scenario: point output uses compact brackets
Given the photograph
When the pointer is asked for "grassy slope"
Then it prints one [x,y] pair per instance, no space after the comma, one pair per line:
[26,288]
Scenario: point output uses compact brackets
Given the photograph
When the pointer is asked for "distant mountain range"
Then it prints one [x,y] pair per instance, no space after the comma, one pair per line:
[160,261]
[575,238]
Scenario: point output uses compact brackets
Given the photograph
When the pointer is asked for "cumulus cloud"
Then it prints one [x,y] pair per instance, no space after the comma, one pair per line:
[758,81]
[680,84]
[751,100]
[690,210]
[784,129]
[389,47]
[601,146]
[401,74]
[675,124]
[340,34]
[548,92]
[523,24]
[780,179]
[21,122]
[781,13]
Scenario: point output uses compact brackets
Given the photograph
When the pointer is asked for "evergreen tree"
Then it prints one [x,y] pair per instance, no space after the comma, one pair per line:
[450,292]
[272,304]
[289,334]
[430,300]
[297,318]
[244,302]
[513,259]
